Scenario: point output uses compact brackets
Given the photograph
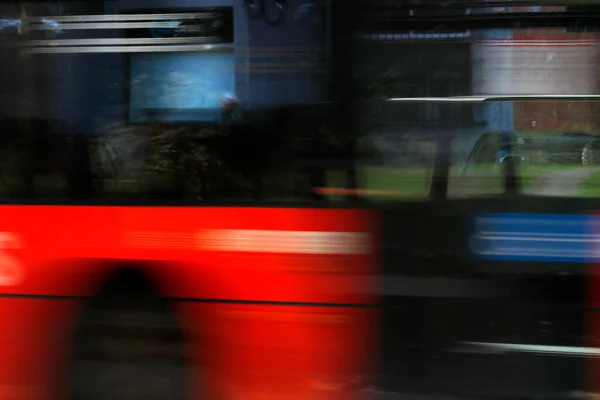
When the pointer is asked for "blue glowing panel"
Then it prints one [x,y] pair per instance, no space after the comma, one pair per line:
[179,86]
[532,237]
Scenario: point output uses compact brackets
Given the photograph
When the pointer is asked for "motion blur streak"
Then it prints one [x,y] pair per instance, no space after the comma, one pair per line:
[266,297]
[489,98]
[532,348]
[264,241]
[124,49]
[535,237]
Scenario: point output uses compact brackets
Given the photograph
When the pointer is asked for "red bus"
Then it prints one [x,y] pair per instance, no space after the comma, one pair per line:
[181,245]
[138,260]
[257,302]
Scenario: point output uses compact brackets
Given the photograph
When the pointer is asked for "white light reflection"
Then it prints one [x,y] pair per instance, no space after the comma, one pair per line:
[481,99]
[126,49]
[529,348]
[24,24]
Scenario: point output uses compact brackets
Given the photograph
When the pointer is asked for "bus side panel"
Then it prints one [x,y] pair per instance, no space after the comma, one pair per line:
[32,339]
[295,352]
[265,295]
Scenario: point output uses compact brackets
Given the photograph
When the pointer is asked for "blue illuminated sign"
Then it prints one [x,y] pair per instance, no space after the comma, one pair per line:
[534,237]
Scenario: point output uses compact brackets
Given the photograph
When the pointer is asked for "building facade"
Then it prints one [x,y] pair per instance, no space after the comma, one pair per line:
[538,61]
[100,63]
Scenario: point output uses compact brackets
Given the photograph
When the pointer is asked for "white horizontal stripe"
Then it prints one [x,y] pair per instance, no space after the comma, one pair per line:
[440,99]
[507,251]
[105,25]
[537,234]
[292,242]
[119,41]
[125,17]
[481,99]
[540,44]
[508,40]
[534,348]
[536,239]
[127,49]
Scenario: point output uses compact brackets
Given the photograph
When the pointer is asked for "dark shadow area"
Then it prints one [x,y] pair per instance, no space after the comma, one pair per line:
[128,344]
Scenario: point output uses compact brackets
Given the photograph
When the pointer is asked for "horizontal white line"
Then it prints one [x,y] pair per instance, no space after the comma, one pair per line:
[508,40]
[534,348]
[537,234]
[292,242]
[105,25]
[511,252]
[538,44]
[127,49]
[481,99]
[125,17]
[535,239]
[440,99]
[119,41]
[542,251]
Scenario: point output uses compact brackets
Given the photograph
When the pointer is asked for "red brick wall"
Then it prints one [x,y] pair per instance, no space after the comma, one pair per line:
[552,33]
[558,116]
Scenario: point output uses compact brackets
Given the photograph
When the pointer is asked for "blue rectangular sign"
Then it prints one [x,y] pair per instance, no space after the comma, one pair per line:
[533,237]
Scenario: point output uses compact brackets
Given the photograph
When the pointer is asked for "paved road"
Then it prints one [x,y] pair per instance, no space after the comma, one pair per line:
[563,183]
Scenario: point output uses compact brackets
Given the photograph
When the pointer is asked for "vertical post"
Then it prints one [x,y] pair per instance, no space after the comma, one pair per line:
[441,166]
[509,165]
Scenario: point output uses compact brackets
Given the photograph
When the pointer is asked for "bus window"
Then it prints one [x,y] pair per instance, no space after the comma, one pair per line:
[280,153]
[553,135]
[118,122]
[400,166]
[556,160]
[158,113]
[559,163]
[404,136]
[476,165]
